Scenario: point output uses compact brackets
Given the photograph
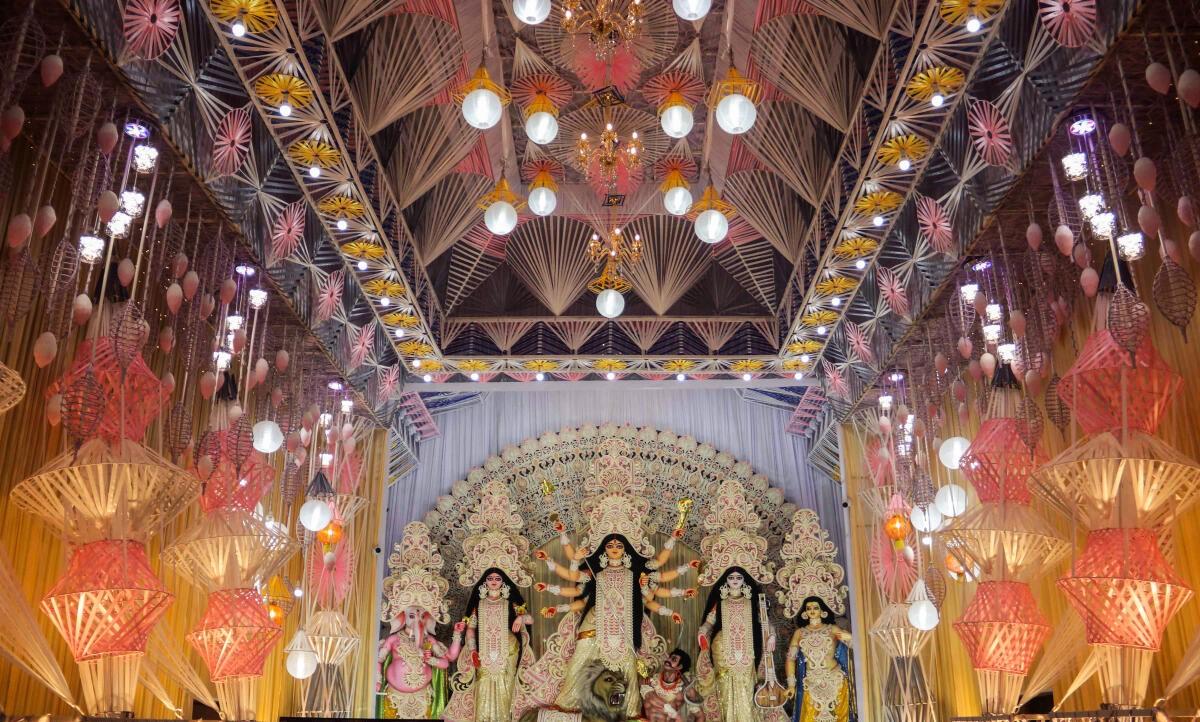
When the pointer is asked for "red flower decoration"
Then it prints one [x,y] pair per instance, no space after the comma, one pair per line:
[389,383]
[231,142]
[288,230]
[859,342]
[892,288]
[1071,22]
[990,132]
[360,345]
[935,224]
[835,380]
[150,26]
[329,295]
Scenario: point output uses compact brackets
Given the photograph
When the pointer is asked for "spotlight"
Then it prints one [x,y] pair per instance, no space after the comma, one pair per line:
[285,109]
[610,376]
[799,376]
[937,100]
[238,28]
[399,333]
[860,264]
[474,376]
[362,265]
[821,330]
[680,377]
[746,377]
[416,363]
[974,25]
[804,358]
[540,376]
[385,301]
[877,221]
[427,378]
[905,164]
[314,171]
[342,224]
[835,301]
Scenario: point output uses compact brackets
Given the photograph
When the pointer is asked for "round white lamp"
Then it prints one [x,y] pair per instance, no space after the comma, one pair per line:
[500,218]
[923,615]
[268,437]
[610,303]
[951,451]
[301,660]
[315,515]
[481,108]
[531,12]
[736,114]
[691,10]
[542,200]
[676,119]
[711,226]
[926,518]
[541,127]
[677,200]
[951,500]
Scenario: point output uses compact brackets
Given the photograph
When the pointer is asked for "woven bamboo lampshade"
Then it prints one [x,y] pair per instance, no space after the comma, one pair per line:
[1002,630]
[895,636]
[998,463]
[1092,479]
[133,396]
[80,492]
[1105,391]
[234,637]
[234,486]
[332,636]
[230,548]
[1009,541]
[12,388]
[105,605]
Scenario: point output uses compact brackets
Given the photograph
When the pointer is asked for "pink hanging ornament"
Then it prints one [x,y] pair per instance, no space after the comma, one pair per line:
[293,442]
[54,409]
[239,340]
[1149,221]
[975,369]
[204,467]
[207,304]
[191,284]
[45,348]
[174,297]
[1145,173]
[1119,138]
[11,122]
[301,456]
[964,414]
[276,397]
[1016,322]
[20,227]
[981,302]
[959,389]
[1064,240]
[347,430]
[51,69]
[81,309]
[106,138]
[965,347]
[1033,382]
[884,424]
[1082,256]
[1186,210]
[1033,236]
[1090,281]
[44,220]
[179,265]
[208,384]
[282,359]
[1189,87]
[235,413]
[1168,248]
[163,212]
[940,362]
[228,290]
[349,445]
[125,272]
[1194,245]
[1158,78]
[166,339]
[260,370]
[168,383]
[107,206]
[987,362]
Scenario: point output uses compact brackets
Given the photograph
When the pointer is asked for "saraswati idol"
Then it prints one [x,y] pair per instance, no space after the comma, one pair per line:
[493,569]
[611,582]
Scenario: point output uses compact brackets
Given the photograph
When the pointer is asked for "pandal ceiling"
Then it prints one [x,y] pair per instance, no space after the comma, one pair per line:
[356,129]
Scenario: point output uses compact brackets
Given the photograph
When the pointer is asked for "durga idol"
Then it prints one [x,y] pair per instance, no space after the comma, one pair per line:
[612,581]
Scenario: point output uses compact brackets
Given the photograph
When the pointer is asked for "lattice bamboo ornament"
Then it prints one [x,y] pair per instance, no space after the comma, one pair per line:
[22,47]
[1106,391]
[1002,630]
[1174,293]
[235,635]
[1005,540]
[229,548]
[332,636]
[998,463]
[12,388]
[83,401]
[1128,319]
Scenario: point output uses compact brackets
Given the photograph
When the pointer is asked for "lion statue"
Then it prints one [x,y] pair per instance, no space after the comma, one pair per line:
[602,694]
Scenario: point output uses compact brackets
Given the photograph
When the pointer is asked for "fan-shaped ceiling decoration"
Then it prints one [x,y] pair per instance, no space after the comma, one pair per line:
[672,260]
[547,254]
[447,212]
[789,140]
[766,202]
[431,141]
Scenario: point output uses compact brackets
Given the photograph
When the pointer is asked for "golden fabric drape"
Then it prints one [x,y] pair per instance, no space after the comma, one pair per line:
[949,668]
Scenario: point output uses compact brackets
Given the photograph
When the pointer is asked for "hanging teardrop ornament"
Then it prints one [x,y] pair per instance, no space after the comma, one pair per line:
[1174,294]
[1128,320]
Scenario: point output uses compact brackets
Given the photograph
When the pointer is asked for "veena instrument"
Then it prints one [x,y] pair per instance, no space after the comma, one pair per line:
[770,694]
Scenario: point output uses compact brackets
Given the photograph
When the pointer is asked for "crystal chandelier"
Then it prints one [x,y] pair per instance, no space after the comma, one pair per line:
[602,161]
[607,26]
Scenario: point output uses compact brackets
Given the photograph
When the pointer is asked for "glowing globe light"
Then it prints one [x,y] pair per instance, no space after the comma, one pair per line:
[691,10]
[923,615]
[951,451]
[541,127]
[91,248]
[301,660]
[736,114]
[531,12]
[610,303]
[712,226]
[481,108]
[951,500]
[542,201]
[926,518]
[500,218]
[268,437]
[315,515]
[677,201]
[676,120]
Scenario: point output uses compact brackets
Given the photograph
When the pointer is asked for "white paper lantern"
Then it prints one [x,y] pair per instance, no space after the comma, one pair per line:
[500,218]
[301,660]
[531,12]
[691,10]
[541,127]
[951,500]
[315,515]
[610,303]
[952,450]
[543,200]
[926,518]
[482,108]
[712,226]
[677,120]
[268,437]
[677,200]
[923,615]
[736,114]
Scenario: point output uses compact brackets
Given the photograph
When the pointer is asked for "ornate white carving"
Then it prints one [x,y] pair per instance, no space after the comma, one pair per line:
[809,568]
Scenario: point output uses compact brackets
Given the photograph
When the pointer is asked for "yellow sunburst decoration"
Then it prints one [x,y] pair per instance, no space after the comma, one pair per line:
[679,365]
[419,349]
[540,365]
[941,79]
[472,365]
[430,365]
[309,153]
[907,147]
[878,202]
[257,16]
[795,364]
[401,319]
[610,364]
[747,365]
[821,317]
[383,287]
[957,12]
[277,88]
[835,285]
[363,250]
[808,345]
[855,247]
[341,206]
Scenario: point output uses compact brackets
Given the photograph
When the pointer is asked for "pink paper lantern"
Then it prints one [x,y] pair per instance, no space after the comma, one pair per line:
[126,415]
[1105,391]
[1002,628]
[998,463]
[235,635]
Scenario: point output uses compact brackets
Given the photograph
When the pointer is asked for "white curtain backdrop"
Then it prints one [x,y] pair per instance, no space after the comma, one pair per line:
[749,432]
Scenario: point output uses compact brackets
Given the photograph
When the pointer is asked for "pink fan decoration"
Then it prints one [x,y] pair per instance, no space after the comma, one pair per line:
[835,380]
[231,142]
[859,342]
[287,231]
[990,132]
[1070,22]
[329,295]
[360,344]
[330,574]
[934,223]
[150,26]
[389,383]
[349,474]
[891,287]
[893,570]
[881,468]
[596,73]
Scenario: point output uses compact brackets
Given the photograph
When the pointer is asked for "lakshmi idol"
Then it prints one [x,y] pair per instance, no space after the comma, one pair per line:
[735,639]
[412,662]
[613,581]
[493,569]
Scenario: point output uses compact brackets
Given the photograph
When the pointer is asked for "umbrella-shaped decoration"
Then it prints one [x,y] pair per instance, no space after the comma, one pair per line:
[150,26]
[1070,22]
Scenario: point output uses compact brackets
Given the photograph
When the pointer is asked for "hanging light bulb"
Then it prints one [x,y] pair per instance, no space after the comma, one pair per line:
[500,209]
[91,248]
[610,303]
[1007,352]
[221,359]
[543,194]
[885,402]
[1090,205]
[994,312]
[1131,245]
[482,100]
[539,376]
[531,12]
[677,197]
[735,97]
[347,405]
[675,115]
[973,24]
[238,27]
[118,225]
[133,203]
[712,217]
[991,332]
[314,171]
[234,321]
[258,298]
[967,292]
[285,107]
[342,224]
[541,120]
[1103,225]
[691,10]
[145,157]
[904,164]
[937,100]
[1075,166]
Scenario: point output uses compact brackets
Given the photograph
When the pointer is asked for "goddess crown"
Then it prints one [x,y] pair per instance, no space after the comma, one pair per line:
[808,566]
[414,581]
[619,504]
[495,541]
[733,539]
